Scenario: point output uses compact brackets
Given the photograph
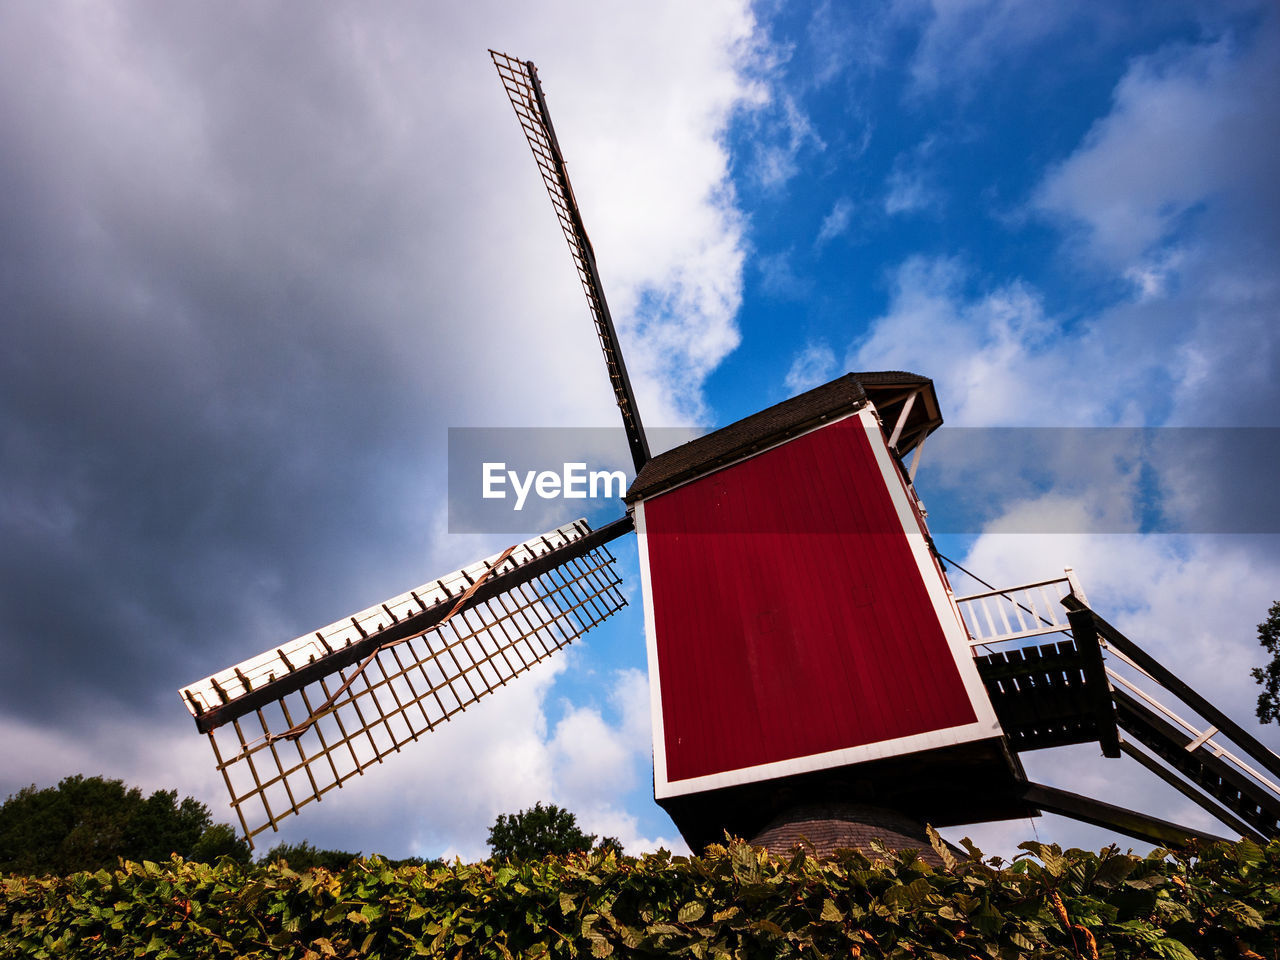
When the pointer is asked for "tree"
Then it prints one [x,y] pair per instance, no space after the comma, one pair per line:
[86,823]
[1269,676]
[220,840]
[536,833]
[304,856]
[610,845]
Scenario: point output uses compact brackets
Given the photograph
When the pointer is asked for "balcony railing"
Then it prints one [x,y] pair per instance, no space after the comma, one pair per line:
[1015,613]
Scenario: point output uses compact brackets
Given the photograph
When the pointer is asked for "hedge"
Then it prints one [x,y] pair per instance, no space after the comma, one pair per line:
[736,901]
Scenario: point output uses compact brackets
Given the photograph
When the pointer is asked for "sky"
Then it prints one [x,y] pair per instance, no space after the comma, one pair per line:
[258,259]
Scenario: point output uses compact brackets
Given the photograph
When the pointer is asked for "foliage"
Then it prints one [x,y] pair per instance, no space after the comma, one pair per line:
[86,823]
[1269,676]
[536,833]
[736,901]
[431,863]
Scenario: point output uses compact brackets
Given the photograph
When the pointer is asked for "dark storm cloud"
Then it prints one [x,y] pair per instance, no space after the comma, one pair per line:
[198,408]
[255,262]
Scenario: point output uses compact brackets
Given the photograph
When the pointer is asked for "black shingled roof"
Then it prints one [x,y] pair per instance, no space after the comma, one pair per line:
[838,398]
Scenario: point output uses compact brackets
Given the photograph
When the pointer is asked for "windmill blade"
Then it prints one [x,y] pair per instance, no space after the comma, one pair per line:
[291,724]
[520,79]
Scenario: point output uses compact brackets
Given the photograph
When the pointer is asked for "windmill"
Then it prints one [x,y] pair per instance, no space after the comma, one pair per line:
[812,672]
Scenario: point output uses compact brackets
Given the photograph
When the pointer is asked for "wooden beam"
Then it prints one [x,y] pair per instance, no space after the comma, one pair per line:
[1126,821]
[1162,675]
[902,419]
[1222,813]
[1085,634]
[1254,801]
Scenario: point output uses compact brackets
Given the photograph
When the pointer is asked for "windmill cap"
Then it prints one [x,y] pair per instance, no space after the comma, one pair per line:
[887,390]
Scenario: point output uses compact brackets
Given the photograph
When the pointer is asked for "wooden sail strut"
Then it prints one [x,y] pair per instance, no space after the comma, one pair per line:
[294,732]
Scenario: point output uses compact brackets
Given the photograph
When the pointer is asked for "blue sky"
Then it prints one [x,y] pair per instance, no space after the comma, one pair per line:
[257,262]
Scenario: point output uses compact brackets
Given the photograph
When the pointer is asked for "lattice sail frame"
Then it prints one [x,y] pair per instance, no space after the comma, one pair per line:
[520,80]
[548,592]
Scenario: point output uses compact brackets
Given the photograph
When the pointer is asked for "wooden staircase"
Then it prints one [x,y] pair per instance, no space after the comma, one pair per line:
[1095,684]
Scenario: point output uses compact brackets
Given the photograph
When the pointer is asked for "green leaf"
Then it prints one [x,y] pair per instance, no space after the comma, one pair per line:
[1113,869]
[940,847]
[1246,915]
[1249,852]
[1021,942]
[830,912]
[691,912]
[769,927]
[1054,863]
[1172,949]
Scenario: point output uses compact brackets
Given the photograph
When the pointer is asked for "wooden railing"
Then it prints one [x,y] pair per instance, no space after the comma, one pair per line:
[1015,613]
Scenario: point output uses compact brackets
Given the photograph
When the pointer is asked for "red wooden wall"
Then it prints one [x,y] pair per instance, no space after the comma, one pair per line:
[790,615]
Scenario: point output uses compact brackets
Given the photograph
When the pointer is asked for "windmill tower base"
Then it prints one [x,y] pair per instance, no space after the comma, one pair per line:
[823,828]
[964,783]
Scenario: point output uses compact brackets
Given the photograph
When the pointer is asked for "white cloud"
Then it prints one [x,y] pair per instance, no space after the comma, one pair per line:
[158,757]
[909,187]
[1184,130]
[786,131]
[992,356]
[909,192]
[1151,279]
[232,151]
[596,763]
[836,222]
[628,753]
[811,367]
[841,43]
[1175,191]
[593,761]
[1172,191]
[778,276]
[964,39]
[630,697]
